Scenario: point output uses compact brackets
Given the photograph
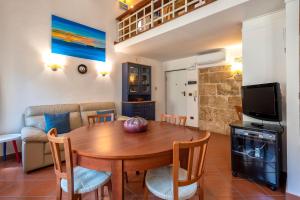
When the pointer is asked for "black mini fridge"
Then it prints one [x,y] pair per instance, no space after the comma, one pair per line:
[256,153]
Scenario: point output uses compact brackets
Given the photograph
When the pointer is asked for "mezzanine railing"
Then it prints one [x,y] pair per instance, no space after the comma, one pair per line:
[152,13]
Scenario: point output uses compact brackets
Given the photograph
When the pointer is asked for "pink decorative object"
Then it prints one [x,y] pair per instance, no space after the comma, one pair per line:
[136,125]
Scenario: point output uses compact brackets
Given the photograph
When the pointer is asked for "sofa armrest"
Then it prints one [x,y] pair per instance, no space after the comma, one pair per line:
[32,134]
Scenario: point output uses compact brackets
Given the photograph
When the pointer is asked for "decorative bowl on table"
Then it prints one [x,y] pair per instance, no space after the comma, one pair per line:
[135,125]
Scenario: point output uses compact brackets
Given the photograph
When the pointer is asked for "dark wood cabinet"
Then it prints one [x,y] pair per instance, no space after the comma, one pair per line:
[136,91]
[145,109]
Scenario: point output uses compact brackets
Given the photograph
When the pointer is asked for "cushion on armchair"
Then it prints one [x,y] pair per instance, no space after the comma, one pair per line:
[60,121]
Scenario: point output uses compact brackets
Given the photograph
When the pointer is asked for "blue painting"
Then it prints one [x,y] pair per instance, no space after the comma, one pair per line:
[74,39]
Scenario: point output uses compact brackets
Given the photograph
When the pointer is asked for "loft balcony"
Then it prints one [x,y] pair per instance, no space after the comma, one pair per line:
[194,28]
[149,14]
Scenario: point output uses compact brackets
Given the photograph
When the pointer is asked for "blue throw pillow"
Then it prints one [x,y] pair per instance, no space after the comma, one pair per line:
[103,112]
[60,121]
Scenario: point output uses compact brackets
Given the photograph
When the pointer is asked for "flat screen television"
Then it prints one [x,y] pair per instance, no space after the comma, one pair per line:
[262,101]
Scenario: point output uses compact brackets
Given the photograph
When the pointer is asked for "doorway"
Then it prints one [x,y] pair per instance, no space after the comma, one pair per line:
[176,92]
[182,94]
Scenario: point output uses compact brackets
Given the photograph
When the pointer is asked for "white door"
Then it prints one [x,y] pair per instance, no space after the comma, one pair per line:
[176,92]
[192,98]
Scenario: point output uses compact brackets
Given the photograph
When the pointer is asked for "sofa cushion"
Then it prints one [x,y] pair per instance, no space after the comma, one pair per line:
[87,109]
[32,134]
[34,115]
[75,120]
[35,121]
[84,116]
[60,121]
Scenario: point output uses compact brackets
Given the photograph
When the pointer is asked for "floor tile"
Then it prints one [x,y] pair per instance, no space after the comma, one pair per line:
[247,188]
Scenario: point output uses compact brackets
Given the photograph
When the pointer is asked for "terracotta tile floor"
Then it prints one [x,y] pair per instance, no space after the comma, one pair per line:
[218,182]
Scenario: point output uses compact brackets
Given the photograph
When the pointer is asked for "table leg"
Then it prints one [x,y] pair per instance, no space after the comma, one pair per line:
[117,180]
[4,151]
[16,150]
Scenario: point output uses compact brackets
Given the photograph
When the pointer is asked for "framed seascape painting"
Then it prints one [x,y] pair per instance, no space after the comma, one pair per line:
[74,39]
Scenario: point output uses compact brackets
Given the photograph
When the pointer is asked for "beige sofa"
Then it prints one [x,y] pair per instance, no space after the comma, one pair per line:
[35,148]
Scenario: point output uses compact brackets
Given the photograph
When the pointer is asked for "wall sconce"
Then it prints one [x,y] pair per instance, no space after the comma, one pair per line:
[54,62]
[104,69]
[103,73]
[54,67]
[237,66]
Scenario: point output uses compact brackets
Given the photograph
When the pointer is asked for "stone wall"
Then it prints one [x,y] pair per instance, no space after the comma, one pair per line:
[219,92]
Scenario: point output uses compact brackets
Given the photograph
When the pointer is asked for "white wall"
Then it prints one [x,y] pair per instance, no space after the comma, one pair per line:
[25,37]
[264,57]
[292,62]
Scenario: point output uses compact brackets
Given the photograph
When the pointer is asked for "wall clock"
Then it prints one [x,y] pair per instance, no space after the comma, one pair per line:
[82,69]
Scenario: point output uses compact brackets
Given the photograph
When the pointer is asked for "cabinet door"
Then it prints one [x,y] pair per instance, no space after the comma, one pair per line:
[133,79]
[145,80]
[149,111]
[137,110]
[127,109]
[152,111]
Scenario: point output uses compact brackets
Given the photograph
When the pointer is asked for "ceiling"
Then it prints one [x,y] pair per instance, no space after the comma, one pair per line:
[133,2]
[216,31]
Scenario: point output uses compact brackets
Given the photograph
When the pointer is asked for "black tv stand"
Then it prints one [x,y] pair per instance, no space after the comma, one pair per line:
[257,125]
[256,152]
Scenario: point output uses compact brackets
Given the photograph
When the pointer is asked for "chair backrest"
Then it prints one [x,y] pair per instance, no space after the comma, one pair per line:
[182,120]
[168,118]
[196,152]
[60,172]
[92,119]
[239,112]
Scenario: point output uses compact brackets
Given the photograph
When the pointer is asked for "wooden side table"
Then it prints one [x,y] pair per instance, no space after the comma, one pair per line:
[10,138]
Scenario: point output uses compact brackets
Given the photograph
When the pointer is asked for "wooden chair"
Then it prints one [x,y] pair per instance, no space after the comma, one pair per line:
[182,120]
[73,180]
[168,118]
[160,181]
[171,119]
[92,119]
[239,112]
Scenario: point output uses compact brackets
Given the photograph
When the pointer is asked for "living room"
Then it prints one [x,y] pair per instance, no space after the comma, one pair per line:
[198,49]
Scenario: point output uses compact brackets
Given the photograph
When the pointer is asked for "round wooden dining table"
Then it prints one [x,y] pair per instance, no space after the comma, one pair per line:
[108,147]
